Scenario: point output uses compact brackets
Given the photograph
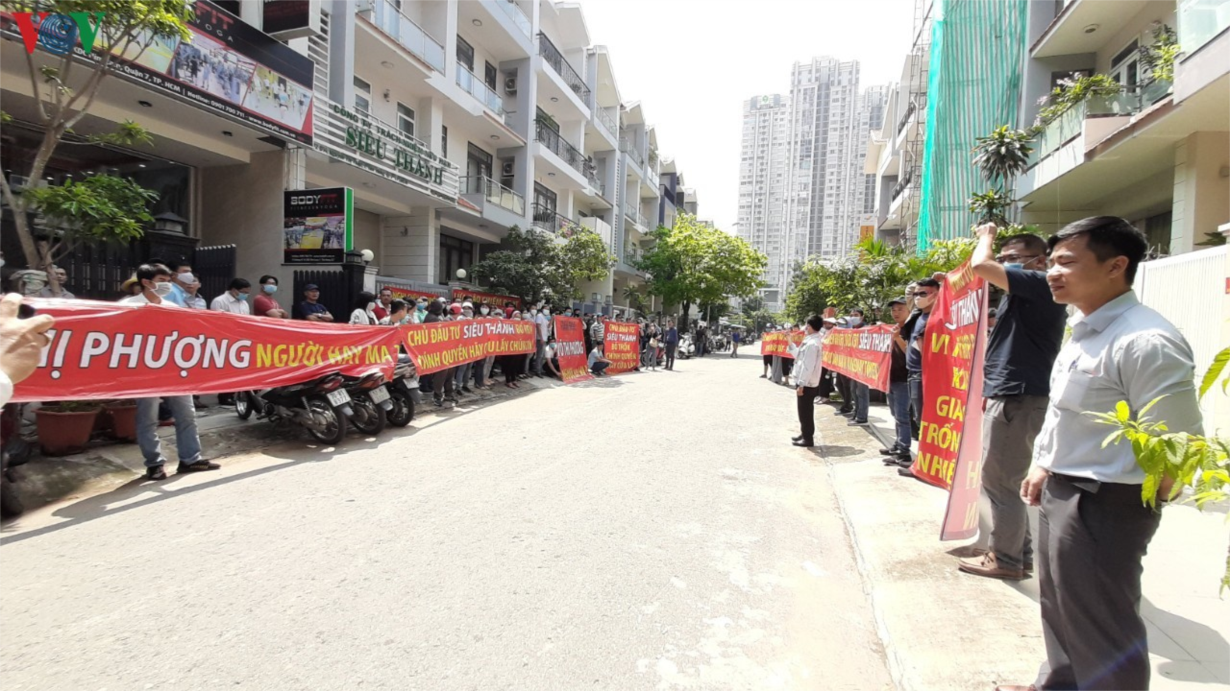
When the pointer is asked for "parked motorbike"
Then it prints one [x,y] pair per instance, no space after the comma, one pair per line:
[371,402]
[686,348]
[321,405]
[404,392]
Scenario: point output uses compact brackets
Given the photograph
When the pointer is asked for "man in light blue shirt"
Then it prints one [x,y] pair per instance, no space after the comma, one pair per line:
[1094,528]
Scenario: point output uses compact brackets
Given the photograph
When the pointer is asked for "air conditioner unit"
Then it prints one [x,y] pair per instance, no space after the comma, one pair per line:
[510,86]
[506,168]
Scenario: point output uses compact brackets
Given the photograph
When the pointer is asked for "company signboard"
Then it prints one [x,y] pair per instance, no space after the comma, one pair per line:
[228,67]
[367,143]
[319,225]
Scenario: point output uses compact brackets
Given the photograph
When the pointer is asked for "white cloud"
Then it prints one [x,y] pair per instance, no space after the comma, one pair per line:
[692,63]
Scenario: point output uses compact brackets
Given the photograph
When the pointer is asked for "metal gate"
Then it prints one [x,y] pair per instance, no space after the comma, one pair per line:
[335,292]
[214,268]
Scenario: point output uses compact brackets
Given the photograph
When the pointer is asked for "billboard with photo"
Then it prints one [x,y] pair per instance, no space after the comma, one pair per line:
[318,225]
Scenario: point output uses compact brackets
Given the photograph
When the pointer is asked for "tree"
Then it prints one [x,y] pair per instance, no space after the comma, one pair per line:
[584,257]
[532,266]
[64,97]
[692,263]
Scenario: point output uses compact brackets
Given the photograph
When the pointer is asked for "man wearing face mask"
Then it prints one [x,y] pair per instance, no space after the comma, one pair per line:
[420,311]
[860,393]
[542,322]
[264,305]
[235,299]
[1020,353]
[156,285]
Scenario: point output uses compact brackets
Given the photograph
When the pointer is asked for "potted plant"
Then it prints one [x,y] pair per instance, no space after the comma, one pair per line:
[123,414]
[64,427]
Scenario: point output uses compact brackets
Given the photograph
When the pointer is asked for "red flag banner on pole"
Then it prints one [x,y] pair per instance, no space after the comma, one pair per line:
[112,350]
[442,345]
[570,349]
[478,298]
[622,346]
[950,437]
[865,355]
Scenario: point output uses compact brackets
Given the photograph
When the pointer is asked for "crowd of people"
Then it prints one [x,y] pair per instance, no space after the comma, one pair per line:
[1039,447]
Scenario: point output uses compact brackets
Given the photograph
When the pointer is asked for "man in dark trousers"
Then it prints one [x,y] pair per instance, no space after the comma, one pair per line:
[925,294]
[806,376]
[672,343]
[1020,353]
[1093,528]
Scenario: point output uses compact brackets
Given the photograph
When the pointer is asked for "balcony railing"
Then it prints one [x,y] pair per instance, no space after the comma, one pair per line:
[626,146]
[410,35]
[1200,21]
[607,122]
[476,88]
[557,144]
[634,214]
[633,256]
[546,219]
[1071,122]
[557,62]
[514,12]
[494,193]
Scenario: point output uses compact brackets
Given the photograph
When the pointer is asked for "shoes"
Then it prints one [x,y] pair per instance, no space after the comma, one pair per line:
[438,402]
[890,452]
[197,467]
[988,566]
[467,389]
[805,443]
[974,551]
[843,411]
[904,461]
[798,437]
[905,472]
[155,472]
[200,405]
[857,423]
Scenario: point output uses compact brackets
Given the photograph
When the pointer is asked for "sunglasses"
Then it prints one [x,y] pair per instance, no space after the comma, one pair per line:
[922,294]
[1013,258]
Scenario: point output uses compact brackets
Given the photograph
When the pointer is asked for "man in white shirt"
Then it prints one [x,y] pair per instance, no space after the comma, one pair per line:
[806,376]
[235,299]
[1094,528]
[543,332]
[21,344]
[155,280]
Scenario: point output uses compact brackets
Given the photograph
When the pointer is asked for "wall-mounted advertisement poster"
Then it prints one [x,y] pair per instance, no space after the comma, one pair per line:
[318,227]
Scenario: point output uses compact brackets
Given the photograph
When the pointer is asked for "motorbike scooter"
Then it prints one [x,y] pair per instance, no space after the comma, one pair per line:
[404,392]
[686,348]
[371,402]
[322,406]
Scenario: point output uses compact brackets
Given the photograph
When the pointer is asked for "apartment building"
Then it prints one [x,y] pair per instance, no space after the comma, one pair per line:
[763,162]
[448,121]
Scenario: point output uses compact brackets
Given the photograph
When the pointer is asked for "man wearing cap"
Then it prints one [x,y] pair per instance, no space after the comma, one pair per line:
[310,309]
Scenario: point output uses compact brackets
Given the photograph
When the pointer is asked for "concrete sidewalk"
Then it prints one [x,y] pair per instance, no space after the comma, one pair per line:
[943,629]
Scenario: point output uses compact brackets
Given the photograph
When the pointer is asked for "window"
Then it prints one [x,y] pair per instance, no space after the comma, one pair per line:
[362,96]
[405,119]
[478,162]
[544,199]
[455,253]
[490,76]
[1125,67]
[465,54]
[444,141]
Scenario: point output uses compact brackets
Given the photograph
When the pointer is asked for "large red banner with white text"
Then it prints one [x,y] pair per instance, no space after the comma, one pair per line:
[570,349]
[622,346]
[864,355]
[109,350]
[950,437]
[442,345]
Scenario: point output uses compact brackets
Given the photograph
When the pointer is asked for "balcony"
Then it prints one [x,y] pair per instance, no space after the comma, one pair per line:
[608,122]
[1072,122]
[516,14]
[552,140]
[633,214]
[493,192]
[476,88]
[556,60]
[411,36]
[561,226]
[632,256]
[626,146]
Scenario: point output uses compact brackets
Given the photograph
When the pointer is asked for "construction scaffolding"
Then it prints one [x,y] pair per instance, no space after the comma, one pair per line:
[914,123]
[974,73]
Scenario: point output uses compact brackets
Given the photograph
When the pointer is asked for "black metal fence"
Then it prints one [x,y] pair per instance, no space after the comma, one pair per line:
[214,267]
[335,292]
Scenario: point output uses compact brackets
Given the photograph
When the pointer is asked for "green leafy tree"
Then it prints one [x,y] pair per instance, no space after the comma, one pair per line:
[523,266]
[584,257]
[97,208]
[64,89]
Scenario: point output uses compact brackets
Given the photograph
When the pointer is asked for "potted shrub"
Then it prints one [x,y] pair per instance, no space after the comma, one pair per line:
[123,414]
[65,427]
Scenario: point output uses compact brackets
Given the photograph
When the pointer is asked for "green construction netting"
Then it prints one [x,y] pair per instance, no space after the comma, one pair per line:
[973,86]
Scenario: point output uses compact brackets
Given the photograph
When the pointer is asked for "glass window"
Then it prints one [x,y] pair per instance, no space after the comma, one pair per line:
[362,96]
[455,253]
[490,75]
[465,54]
[444,141]
[405,119]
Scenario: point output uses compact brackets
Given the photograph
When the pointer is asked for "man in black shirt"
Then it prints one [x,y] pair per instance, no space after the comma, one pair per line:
[1020,353]
[899,389]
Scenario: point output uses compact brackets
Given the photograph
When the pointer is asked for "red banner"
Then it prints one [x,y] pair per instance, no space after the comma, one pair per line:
[622,346]
[111,350]
[570,349]
[781,343]
[410,296]
[950,437]
[478,298]
[864,355]
[442,345]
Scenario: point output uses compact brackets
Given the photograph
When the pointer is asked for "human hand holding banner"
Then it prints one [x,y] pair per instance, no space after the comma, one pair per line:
[864,355]
[570,349]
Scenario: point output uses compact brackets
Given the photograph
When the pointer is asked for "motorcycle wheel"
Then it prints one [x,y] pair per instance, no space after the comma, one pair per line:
[10,503]
[369,418]
[243,405]
[403,409]
[335,424]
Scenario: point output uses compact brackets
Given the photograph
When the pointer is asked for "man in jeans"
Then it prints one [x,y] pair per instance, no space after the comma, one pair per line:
[925,293]
[1020,352]
[155,280]
[899,389]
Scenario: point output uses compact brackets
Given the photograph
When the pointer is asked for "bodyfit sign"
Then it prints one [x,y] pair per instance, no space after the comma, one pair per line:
[318,225]
[228,67]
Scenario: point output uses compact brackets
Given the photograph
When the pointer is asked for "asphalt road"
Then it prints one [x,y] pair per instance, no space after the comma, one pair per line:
[650,531]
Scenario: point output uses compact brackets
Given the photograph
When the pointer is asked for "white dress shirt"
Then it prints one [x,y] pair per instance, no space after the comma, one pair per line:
[229,303]
[808,364]
[6,389]
[1123,351]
